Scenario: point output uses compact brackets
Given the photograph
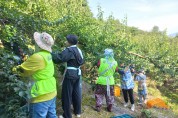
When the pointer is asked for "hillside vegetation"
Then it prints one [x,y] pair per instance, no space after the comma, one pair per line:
[19,19]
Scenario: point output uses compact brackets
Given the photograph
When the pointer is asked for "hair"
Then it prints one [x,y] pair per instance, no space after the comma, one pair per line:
[72,39]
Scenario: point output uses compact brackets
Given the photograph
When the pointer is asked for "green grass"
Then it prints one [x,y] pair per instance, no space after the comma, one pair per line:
[171,98]
[88,101]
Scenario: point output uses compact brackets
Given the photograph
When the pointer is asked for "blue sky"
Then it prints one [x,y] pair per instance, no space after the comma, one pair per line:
[143,14]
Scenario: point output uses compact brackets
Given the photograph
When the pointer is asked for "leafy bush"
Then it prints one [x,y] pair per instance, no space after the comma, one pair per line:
[14,92]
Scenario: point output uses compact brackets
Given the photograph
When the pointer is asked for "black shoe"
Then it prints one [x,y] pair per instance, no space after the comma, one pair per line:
[109,108]
[97,109]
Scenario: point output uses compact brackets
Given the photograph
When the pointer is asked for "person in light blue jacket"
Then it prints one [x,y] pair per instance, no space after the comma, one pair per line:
[127,85]
[142,89]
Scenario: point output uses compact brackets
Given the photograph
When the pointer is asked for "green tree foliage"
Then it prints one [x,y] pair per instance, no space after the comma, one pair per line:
[155,29]
[19,19]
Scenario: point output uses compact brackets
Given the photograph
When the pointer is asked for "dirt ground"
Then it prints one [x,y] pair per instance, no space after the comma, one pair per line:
[88,102]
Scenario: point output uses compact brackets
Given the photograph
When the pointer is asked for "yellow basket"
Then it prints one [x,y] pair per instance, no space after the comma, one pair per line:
[117,91]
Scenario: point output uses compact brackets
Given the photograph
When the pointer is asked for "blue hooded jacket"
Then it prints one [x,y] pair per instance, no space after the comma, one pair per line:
[127,81]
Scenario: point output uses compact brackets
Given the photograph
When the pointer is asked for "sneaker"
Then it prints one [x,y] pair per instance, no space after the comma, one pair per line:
[61,116]
[145,101]
[133,107]
[78,115]
[126,104]
[139,103]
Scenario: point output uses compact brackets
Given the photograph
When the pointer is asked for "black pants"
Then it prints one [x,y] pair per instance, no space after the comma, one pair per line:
[71,94]
[131,97]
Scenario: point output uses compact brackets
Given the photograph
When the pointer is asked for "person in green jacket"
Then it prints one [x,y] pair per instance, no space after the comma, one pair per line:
[40,66]
[105,82]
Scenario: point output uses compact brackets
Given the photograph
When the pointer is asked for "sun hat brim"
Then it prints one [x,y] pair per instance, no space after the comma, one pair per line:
[37,38]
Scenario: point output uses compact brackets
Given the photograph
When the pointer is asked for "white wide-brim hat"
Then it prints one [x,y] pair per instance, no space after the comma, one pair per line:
[44,41]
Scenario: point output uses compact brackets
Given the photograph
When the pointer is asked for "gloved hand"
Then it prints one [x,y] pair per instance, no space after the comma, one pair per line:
[15,69]
[25,57]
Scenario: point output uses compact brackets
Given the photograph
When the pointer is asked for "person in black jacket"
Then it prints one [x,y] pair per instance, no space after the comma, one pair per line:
[71,85]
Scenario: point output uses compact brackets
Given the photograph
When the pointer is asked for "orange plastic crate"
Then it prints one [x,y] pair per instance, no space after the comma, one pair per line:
[117,91]
[157,102]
